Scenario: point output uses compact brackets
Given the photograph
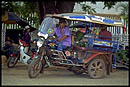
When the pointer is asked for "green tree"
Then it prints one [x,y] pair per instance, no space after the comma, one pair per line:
[90,10]
[124,10]
[24,9]
[87,8]
[109,4]
[45,7]
[40,8]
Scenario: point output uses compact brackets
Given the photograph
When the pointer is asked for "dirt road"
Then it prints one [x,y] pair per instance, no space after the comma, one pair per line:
[59,76]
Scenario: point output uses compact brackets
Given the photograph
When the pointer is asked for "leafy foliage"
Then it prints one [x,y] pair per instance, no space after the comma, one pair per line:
[88,9]
[121,54]
[7,6]
[109,4]
[91,10]
[124,10]
[24,9]
[27,9]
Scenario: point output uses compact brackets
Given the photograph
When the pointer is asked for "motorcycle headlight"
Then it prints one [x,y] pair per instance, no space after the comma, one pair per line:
[43,35]
[39,43]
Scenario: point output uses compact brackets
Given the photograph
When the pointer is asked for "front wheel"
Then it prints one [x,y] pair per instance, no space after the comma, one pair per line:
[35,68]
[12,61]
[96,68]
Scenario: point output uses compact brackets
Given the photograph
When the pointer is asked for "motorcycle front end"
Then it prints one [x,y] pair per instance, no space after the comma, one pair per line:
[41,60]
[37,64]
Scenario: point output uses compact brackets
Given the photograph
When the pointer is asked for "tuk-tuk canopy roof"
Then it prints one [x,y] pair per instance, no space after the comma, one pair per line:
[88,18]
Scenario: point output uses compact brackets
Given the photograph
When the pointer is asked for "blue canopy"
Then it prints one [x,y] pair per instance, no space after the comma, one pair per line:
[10,18]
[88,18]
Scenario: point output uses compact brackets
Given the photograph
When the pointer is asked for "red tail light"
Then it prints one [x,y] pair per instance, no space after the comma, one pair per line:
[12,55]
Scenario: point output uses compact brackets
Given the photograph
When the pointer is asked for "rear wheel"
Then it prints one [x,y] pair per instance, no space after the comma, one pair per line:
[35,68]
[12,61]
[96,68]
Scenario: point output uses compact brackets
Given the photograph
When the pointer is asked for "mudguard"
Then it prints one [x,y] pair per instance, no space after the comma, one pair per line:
[86,60]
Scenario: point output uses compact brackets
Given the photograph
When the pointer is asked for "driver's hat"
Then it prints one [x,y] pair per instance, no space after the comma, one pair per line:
[26,27]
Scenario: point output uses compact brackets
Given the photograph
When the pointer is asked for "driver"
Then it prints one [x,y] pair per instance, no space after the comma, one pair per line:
[63,34]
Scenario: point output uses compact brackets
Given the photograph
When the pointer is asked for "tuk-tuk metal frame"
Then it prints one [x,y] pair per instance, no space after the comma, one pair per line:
[93,51]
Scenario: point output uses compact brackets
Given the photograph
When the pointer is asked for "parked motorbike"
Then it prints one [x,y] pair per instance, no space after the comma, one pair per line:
[21,54]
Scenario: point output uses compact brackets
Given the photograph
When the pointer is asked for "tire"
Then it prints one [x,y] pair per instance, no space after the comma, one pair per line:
[44,65]
[35,68]
[96,68]
[12,61]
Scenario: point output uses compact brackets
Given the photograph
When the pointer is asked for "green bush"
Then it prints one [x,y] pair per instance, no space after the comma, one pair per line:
[121,54]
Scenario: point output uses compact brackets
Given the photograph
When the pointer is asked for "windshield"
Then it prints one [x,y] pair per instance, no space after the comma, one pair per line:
[47,25]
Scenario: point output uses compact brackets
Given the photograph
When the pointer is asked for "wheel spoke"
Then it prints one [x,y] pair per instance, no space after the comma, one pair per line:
[13,60]
[93,72]
[99,65]
[99,72]
[96,63]
[93,66]
[36,67]
[100,69]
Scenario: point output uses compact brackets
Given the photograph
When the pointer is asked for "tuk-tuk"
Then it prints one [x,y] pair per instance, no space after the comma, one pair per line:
[88,54]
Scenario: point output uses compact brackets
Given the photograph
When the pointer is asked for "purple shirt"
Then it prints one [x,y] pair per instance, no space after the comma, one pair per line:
[66,31]
[27,37]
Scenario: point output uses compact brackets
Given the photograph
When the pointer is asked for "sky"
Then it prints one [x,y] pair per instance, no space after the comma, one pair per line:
[99,7]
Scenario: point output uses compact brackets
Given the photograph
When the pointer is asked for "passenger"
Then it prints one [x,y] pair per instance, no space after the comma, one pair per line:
[8,48]
[63,34]
[104,34]
[26,35]
[80,33]
[27,38]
